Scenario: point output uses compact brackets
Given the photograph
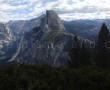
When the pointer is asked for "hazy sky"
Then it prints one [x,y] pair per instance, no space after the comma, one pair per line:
[67,9]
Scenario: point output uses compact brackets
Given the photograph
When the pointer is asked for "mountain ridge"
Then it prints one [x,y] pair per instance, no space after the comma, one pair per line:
[46,44]
[42,40]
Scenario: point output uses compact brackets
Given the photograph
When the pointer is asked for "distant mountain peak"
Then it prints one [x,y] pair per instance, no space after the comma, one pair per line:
[51,21]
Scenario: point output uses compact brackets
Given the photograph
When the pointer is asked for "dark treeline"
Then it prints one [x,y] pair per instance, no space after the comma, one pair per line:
[81,56]
[34,77]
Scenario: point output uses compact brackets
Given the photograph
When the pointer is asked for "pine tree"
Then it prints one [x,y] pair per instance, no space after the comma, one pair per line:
[102,55]
[103,36]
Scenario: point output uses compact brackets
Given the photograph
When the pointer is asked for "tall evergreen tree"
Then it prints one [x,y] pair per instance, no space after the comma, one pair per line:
[102,56]
[103,36]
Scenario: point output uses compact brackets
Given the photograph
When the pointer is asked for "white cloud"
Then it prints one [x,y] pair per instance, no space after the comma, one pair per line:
[67,9]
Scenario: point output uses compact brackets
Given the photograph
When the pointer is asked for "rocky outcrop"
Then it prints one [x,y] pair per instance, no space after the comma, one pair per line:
[5,35]
[48,43]
[52,21]
[6,39]
[45,44]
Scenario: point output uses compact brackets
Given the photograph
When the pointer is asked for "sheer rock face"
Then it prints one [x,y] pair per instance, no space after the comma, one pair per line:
[45,44]
[48,43]
[5,35]
[6,39]
[53,21]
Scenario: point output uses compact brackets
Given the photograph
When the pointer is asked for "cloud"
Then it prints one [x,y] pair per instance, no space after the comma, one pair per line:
[67,9]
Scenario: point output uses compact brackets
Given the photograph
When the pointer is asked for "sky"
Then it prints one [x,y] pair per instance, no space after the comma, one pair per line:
[66,9]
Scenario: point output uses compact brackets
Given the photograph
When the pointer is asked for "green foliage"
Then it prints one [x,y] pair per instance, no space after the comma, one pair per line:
[29,77]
